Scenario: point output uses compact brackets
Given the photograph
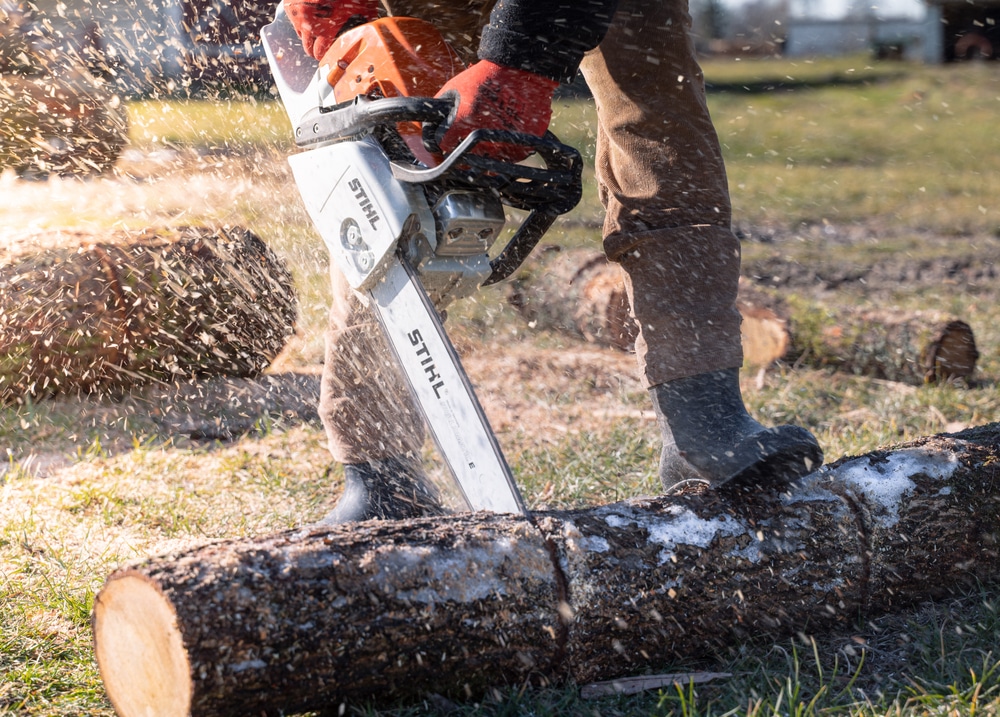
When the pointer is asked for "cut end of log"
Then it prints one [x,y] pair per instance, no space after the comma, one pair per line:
[764,335]
[139,649]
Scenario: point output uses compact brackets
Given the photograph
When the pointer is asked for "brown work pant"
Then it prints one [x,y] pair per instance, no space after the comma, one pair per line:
[663,184]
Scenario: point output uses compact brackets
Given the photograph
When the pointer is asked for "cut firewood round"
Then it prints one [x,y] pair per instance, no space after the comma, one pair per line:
[108,312]
[952,355]
[578,292]
[764,335]
[140,651]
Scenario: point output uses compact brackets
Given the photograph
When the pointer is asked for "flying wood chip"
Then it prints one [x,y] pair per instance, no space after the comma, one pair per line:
[103,314]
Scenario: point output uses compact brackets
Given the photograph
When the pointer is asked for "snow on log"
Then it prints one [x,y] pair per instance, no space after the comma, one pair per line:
[95,312]
[580,293]
[393,611]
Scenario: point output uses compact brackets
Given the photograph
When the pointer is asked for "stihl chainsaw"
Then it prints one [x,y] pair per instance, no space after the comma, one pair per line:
[412,230]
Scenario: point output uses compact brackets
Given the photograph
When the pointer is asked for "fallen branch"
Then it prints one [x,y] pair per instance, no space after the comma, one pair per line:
[388,611]
[635,685]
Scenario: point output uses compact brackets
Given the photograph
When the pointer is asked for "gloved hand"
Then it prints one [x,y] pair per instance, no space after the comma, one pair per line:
[492,96]
[318,22]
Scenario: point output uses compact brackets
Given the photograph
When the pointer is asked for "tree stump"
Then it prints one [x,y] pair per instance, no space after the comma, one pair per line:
[164,305]
[389,611]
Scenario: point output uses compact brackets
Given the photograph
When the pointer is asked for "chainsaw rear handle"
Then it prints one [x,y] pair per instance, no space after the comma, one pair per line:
[545,192]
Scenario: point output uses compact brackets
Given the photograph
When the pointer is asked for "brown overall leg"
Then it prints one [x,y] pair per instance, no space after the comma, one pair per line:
[663,183]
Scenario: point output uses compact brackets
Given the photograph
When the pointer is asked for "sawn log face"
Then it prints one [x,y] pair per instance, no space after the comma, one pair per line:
[389,611]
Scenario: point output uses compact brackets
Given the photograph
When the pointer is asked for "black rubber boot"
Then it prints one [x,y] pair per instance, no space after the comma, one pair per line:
[709,437]
[390,489]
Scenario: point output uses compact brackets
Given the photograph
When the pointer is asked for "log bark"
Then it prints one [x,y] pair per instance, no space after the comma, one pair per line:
[393,611]
[108,313]
[580,293]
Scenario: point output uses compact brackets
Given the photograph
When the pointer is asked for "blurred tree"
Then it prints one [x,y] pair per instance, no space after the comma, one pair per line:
[759,26]
[708,20]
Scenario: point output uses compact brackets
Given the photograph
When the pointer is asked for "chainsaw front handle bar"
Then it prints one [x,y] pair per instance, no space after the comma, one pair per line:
[545,192]
[362,114]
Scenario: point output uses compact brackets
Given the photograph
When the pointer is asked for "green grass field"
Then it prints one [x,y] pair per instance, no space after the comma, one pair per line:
[845,161]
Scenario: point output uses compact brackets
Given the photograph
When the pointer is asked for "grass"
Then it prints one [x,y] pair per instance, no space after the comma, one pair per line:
[883,162]
[909,146]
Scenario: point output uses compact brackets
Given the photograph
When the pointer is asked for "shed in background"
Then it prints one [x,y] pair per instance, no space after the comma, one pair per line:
[950,31]
[968,29]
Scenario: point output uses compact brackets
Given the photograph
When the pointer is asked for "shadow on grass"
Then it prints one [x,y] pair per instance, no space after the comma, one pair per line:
[763,86]
[216,410]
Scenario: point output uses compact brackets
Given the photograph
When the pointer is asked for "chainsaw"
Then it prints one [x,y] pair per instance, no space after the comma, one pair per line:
[413,229]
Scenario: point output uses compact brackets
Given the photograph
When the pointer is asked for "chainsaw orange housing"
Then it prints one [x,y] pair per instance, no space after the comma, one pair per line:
[392,57]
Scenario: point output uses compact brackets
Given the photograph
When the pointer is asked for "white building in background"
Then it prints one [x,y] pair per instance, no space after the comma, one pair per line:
[948,31]
[901,38]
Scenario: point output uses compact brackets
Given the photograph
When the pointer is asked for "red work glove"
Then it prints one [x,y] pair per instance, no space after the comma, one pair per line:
[318,22]
[492,96]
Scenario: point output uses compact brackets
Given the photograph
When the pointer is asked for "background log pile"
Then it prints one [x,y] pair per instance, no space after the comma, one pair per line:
[388,611]
[580,293]
[107,313]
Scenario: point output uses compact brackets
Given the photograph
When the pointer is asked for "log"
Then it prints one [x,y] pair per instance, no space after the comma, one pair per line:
[383,612]
[112,312]
[580,293]
[576,291]
[922,347]
[913,347]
